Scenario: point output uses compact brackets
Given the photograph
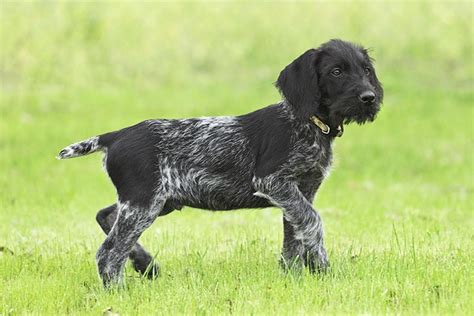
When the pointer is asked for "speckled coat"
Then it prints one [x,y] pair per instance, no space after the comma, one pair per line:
[275,156]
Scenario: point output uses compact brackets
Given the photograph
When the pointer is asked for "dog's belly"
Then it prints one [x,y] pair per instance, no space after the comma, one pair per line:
[228,204]
[219,192]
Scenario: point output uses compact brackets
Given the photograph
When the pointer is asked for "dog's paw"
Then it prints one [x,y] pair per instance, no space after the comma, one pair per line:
[317,262]
[152,271]
[148,269]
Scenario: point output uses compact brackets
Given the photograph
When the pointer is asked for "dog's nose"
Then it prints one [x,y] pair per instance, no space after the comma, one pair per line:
[367,96]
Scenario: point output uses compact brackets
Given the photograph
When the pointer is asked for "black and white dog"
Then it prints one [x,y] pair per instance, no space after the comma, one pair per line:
[275,156]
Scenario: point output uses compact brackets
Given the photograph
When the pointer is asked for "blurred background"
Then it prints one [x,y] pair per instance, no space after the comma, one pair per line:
[71,70]
[74,69]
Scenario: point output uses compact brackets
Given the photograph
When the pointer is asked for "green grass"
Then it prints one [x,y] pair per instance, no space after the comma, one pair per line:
[397,208]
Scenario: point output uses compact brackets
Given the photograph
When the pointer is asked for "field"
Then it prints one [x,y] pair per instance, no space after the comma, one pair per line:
[397,208]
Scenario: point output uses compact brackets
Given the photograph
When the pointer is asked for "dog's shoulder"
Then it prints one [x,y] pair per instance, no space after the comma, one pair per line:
[269,133]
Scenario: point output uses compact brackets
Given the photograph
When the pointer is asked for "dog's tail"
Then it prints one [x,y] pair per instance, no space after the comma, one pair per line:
[81,148]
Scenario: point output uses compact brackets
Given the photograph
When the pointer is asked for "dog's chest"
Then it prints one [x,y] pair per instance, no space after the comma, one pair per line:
[312,157]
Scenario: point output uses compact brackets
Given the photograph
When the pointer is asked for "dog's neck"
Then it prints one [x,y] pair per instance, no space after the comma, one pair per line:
[321,120]
[333,122]
[336,131]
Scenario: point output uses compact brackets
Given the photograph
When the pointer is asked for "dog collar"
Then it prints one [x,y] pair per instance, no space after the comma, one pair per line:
[325,128]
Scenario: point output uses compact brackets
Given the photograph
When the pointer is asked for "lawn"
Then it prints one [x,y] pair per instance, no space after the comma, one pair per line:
[397,208]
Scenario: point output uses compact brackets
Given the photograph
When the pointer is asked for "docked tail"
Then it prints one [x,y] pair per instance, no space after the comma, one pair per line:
[82,148]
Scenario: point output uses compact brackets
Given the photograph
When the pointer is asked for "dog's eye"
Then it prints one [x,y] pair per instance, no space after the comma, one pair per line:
[367,71]
[336,72]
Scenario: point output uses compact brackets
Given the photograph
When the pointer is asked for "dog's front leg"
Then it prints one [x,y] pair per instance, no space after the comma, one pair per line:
[292,250]
[305,221]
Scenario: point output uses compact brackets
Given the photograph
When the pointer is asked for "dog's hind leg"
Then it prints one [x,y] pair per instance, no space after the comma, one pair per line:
[131,221]
[142,261]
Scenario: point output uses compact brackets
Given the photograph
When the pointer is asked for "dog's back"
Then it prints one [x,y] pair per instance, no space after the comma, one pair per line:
[199,162]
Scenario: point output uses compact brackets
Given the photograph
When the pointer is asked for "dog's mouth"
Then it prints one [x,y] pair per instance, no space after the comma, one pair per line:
[360,114]
[356,112]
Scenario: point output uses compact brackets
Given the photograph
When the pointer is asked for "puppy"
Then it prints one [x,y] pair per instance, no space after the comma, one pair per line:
[275,156]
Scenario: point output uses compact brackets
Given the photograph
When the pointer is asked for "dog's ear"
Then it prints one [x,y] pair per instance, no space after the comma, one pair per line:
[298,83]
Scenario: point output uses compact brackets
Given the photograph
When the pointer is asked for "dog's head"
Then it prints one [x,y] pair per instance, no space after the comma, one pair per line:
[336,82]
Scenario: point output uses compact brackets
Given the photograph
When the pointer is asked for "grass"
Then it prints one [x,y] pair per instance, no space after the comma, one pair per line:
[397,207]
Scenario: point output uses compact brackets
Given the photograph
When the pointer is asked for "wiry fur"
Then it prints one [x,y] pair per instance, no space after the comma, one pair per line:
[81,148]
[273,156]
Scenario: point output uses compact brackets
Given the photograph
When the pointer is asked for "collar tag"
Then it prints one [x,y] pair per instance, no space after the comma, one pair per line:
[340,131]
[325,129]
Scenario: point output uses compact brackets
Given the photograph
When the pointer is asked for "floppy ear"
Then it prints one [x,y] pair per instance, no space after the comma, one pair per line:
[298,83]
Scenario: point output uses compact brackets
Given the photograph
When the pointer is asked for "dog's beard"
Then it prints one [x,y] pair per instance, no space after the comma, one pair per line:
[349,111]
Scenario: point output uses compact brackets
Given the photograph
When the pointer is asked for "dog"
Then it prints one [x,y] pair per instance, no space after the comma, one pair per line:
[275,156]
